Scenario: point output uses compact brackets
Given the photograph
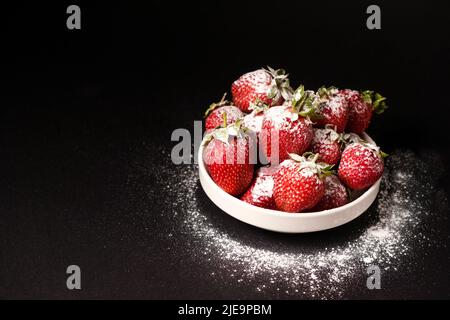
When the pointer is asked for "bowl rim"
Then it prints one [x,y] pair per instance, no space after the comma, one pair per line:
[278,213]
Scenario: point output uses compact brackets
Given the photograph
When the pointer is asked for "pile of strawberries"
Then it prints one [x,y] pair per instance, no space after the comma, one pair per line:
[311,153]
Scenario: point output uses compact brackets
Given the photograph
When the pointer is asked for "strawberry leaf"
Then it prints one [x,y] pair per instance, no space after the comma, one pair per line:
[258,106]
[224,123]
[326,170]
[367,96]
[375,99]
[326,93]
[216,105]
[379,105]
[221,134]
[279,85]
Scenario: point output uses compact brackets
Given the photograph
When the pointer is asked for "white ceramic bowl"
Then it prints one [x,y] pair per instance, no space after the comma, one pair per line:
[282,221]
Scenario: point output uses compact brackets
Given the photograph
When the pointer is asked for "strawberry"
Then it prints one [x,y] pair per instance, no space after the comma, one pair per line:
[335,194]
[214,114]
[227,158]
[269,86]
[286,129]
[298,183]
[332,109]
[361,106]
[361,164]
[260,193]
[326,143]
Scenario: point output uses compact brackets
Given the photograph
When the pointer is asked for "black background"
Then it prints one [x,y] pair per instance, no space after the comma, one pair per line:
[75,102]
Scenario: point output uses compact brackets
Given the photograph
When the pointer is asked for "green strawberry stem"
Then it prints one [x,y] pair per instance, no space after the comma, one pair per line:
[326,93]
[304,102]
[215,105]
[224,116]
[375,99]
[309,160]
[350,138]
[224,132]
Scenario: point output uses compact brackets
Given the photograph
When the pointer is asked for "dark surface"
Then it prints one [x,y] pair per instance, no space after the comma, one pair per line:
[78,106]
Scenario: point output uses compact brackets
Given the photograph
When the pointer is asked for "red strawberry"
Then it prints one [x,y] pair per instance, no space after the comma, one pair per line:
[361,165]
[335,194]
[361,106]
[298,183]
[269,86]
[260,193]
[214,114]
[227,158]
[326,143]
[332,109]
[286,130]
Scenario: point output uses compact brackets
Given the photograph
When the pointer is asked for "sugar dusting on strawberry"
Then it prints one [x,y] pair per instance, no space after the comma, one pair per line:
[326,143]
[227,158]
[335,194]
[284,132]
[287,129]
[266,85]
[284,123]
[254,120]
[260,193]
[332,109]
[299,183]
[361,106]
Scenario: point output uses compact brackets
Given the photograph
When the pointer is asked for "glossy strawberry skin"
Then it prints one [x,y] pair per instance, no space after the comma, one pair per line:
[282,127]
[235,175]
[327,147]
[360,112]
[215,118]
[296,189]
[260,193]
[360,166]
[251,87]
[333,111]
[335,194]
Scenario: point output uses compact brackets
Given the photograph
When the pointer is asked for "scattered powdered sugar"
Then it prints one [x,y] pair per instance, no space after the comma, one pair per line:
[389,232]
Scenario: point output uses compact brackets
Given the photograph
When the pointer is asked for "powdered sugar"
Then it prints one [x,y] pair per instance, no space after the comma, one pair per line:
[333,184]
[335,104]
[392,230]
[265,187]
